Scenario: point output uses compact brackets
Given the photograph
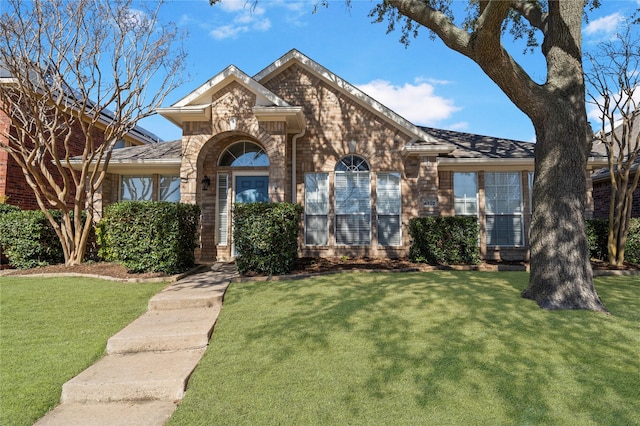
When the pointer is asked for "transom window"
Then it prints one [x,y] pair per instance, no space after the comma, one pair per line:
[352,163]
[244,154]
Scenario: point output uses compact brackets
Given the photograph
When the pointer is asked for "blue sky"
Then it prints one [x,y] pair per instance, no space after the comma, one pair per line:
[426,83]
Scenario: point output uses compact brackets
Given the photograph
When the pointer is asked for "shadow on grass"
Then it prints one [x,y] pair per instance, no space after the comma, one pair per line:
[461,346]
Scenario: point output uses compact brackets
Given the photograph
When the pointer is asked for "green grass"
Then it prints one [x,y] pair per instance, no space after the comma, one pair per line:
[53,328]
[441,348]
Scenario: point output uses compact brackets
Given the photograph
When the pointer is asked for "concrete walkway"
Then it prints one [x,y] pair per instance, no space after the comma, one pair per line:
[147,364]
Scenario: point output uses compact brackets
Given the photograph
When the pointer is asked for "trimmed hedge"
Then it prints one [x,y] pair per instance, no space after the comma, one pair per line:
[266,237]
[598,233]
[27,238]
[147,236]
[445,240]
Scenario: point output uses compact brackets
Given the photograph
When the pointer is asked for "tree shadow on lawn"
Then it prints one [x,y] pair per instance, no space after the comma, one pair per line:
[462,346]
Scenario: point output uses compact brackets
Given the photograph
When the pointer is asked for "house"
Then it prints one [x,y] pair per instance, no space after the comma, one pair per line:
[14,189]
[297,132]
[601,177]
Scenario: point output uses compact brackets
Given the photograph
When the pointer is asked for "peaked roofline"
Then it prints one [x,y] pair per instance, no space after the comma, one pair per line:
[220,80]
[294,56]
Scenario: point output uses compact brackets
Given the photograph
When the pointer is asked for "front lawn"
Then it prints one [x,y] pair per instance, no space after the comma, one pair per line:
[53,328]
[441,348]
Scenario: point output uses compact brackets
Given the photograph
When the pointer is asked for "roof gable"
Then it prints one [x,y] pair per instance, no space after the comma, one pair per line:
[295,57]
[202,94]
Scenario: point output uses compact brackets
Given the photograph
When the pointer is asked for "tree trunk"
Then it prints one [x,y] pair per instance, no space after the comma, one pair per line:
[561,275]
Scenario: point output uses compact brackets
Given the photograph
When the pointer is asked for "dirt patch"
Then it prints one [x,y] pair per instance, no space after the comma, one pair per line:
[105,269]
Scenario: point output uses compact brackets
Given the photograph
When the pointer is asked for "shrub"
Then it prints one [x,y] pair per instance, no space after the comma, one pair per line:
[266,237]
[146,236]
[632,249]
[598,234]
[444,240]
[28,240]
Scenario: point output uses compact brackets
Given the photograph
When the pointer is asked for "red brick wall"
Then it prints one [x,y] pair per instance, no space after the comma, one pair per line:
[602,198]
[13,184]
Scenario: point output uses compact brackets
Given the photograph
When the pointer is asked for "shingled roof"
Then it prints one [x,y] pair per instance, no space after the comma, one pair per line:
[468,145]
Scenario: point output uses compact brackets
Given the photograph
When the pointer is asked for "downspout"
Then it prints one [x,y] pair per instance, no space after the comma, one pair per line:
[294,188]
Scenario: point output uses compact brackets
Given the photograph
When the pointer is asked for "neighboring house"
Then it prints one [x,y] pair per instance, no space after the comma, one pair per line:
[296,132]
[602,182]
[13,185]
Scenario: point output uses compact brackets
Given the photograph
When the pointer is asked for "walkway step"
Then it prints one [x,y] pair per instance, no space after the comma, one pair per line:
[134,377]
[148,413]
[166,331]
[203,291]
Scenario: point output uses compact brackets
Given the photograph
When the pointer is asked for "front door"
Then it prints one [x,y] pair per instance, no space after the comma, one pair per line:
[252,189]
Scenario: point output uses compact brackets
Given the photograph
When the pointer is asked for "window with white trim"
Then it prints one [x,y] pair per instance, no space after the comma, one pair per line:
[388,209]
[352,202]
[222,222]
[503,201]
[465,193]
[316,209]
[169,188]
[136,188]
[244,154]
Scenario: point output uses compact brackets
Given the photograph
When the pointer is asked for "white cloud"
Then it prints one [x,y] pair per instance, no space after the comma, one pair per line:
[607,24]
[416,102]
[462,125]
[227,31]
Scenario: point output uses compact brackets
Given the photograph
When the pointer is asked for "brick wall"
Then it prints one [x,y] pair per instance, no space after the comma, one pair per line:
[602,200]
[13,184]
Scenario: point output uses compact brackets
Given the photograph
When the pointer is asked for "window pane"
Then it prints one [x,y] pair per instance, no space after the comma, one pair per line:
[316,208]
[504,230]
[353,208]
[135,188]
[353,192]
[465,192]
[170,188]
[388,207]
[389,230]
[316,230]
[503,193]
[353,229]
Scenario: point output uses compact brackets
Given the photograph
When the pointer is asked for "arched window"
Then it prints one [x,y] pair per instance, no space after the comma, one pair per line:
[352,163]
[352,201]
[244,154]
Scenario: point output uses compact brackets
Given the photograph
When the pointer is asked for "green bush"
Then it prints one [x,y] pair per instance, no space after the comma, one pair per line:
[6,208]
[266,237]
[598,233]
[444,240]
[146,236]
[28,240]
[632,249]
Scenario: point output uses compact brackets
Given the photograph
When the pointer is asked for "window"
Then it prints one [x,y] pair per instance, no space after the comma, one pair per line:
[316,209]
[135,188]
[169,188]
[244,154]
[388,203]
[352,202]
[465,193]
[504,209]
[223,209]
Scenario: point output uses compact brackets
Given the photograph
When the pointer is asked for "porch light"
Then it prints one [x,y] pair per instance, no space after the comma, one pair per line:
[205,183]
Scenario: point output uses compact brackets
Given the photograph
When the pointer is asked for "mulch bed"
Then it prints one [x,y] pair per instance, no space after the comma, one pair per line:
[307,266]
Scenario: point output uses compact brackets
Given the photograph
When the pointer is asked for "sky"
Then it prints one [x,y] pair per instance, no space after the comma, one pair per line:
[426,82]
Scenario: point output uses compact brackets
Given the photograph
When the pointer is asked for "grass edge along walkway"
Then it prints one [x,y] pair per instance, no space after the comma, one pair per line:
[416,348]
[51,329]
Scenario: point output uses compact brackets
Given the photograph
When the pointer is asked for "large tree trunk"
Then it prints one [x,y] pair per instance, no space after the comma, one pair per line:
[561,275]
